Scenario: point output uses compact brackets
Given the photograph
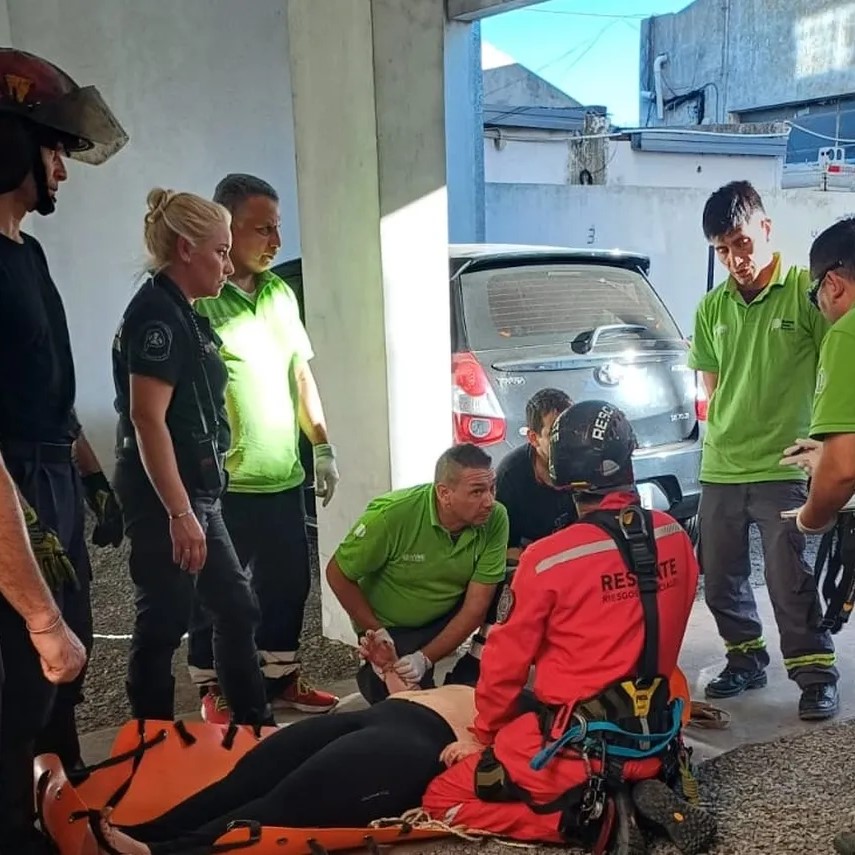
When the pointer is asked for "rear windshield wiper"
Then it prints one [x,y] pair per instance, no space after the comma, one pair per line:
[586,341]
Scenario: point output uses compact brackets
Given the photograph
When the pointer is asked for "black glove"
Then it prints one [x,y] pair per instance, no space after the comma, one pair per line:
[52,559]
[110,527]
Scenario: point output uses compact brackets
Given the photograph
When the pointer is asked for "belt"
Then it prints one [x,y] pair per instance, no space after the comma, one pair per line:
[45,452]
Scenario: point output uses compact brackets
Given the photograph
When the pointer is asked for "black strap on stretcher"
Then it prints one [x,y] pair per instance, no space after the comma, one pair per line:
[632,530]
[834,571]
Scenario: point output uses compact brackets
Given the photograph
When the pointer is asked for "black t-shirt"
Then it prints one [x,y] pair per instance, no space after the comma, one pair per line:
[535,510]
[37,385]
[154,341]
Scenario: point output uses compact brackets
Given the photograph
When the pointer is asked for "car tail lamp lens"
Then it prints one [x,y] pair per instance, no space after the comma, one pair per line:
[477,414]
[701,400]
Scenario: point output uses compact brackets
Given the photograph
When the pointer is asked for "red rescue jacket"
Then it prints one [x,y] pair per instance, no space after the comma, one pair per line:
[575,614]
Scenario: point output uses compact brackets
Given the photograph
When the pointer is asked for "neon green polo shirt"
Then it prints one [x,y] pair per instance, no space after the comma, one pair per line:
[765,354]
[834,402]
[263,339]
[409,567]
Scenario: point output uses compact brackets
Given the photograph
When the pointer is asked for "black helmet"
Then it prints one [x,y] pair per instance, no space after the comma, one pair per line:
[40,105]
[590,448]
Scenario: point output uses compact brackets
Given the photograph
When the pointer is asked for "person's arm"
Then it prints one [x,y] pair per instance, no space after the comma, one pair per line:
[509,654]
[364,551]
[21,583]
[352,600]
[710,381]
[832,484]
[311,411]
[476,602]
[702,356]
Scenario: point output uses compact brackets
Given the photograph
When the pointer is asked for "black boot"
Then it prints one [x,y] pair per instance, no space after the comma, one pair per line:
[819,702]
[734,681]
[691,829]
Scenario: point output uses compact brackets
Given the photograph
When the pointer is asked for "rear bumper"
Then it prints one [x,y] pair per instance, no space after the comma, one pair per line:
[668,477]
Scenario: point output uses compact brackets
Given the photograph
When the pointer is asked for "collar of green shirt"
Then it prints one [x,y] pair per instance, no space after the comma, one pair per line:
[775,281]
[262,280]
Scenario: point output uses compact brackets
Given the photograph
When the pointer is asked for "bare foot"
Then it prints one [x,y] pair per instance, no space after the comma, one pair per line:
[120,842]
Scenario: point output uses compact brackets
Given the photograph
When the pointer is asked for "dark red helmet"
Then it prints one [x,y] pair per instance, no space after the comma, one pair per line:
[45,96]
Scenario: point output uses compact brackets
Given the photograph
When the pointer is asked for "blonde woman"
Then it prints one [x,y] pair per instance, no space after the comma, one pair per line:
[172,437]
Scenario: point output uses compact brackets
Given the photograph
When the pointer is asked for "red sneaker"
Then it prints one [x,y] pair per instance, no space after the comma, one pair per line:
[301,695]
[215,708]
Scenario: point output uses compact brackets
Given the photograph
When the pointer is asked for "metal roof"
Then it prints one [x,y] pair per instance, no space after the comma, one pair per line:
[686,141]
[545,118]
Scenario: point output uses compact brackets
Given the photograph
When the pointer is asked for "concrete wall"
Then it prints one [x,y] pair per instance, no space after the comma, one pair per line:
[195,107]
[664,223]
[757,53]
[629,167]
[533,161]
[517,86]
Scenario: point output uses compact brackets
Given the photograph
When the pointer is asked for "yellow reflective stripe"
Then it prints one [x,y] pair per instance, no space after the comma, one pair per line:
[745,646]
[826,660]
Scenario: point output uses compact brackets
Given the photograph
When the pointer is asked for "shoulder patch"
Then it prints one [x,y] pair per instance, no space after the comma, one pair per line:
[157,342]
[505,605]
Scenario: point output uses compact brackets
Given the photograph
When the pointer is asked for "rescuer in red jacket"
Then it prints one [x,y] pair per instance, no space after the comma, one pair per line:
[599,609]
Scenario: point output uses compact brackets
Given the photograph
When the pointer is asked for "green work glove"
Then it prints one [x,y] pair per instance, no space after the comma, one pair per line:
[110,527]
[52,559]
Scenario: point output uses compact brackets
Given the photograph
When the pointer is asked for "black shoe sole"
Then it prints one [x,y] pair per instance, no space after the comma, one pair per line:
[818,715]
[758,682]
[691,829]
[627,838]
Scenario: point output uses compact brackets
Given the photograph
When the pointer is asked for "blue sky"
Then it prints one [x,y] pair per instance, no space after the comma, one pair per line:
[588,48]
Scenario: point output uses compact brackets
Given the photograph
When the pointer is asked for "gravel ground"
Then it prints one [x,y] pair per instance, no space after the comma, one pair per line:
[106,703]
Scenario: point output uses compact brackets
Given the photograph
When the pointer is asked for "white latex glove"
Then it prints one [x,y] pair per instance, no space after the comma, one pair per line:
[805,530]
[412,667]
[803,453]
[326,471]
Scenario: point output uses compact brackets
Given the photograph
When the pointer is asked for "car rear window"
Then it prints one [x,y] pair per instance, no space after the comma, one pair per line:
[557,304]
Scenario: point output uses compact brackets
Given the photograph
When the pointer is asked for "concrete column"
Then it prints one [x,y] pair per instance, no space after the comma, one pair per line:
[369,118]
[464,118]
[5,28]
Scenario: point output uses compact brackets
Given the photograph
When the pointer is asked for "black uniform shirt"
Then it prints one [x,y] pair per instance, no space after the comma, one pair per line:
[37,385]
[154,341]
[535,510]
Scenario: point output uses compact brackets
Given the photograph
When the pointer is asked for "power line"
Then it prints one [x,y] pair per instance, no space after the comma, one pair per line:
[636,16]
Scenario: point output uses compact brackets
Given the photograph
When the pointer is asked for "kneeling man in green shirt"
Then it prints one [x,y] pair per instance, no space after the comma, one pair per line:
[421,564]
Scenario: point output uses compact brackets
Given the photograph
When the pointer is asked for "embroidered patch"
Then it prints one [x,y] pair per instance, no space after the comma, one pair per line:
[157,342]
[505,605]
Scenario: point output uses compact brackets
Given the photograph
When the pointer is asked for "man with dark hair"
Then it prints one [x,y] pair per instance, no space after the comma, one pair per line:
[832,265]
[421,564]
[535,508]
[756,344]
[271,396]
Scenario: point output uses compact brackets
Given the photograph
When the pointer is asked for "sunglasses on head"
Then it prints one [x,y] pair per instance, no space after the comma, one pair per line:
[816,285]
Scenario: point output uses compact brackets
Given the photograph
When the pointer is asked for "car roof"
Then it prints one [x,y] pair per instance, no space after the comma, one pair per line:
[509,251]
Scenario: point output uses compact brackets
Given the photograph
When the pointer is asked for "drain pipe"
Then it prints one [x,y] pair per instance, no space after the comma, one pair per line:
[657,84]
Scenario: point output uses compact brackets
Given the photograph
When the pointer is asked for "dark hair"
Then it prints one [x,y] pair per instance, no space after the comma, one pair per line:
[541,404]
[463,456]
[237,187]
[729,208]
[834,247]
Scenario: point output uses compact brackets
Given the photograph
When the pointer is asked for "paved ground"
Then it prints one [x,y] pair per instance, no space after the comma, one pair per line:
[776,785]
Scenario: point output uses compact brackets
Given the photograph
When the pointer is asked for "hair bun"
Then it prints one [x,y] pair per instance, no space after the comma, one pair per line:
[157,200]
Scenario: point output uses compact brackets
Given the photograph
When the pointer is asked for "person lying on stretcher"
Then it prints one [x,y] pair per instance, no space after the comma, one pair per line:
[343,770]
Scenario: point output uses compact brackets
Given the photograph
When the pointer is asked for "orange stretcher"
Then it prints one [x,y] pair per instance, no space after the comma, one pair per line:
[153,766]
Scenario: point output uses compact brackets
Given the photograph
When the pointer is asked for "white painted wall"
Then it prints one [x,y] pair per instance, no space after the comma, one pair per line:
[626,166]
[661,222]
[196,102]
[508,161]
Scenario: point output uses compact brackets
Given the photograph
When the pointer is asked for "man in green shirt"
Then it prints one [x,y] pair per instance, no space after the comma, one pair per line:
[421,565]
[270,396]
[756,343]
[832,264]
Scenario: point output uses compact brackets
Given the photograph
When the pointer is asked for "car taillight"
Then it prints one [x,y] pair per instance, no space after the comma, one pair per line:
[477,415]
[701,400]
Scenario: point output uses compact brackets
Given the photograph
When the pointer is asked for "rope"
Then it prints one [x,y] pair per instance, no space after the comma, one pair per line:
[420,820]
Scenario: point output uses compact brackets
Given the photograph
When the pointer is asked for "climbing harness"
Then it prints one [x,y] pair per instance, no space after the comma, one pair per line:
[834,570]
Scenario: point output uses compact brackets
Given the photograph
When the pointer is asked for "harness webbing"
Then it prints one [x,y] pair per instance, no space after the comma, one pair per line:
[834,571]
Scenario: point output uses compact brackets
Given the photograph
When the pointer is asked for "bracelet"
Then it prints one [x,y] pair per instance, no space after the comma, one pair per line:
[186,513]
[49,628]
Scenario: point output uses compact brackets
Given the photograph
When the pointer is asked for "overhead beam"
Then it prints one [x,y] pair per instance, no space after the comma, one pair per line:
[474,10]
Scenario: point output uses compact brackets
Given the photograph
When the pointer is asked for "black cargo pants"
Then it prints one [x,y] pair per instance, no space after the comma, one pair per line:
[38,717]
[164,600]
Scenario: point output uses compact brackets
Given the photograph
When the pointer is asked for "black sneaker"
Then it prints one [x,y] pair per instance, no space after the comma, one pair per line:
[819,702]
[734,681]
[691,829]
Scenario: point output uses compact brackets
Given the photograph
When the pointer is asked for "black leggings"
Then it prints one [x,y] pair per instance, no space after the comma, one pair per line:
[342,770]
